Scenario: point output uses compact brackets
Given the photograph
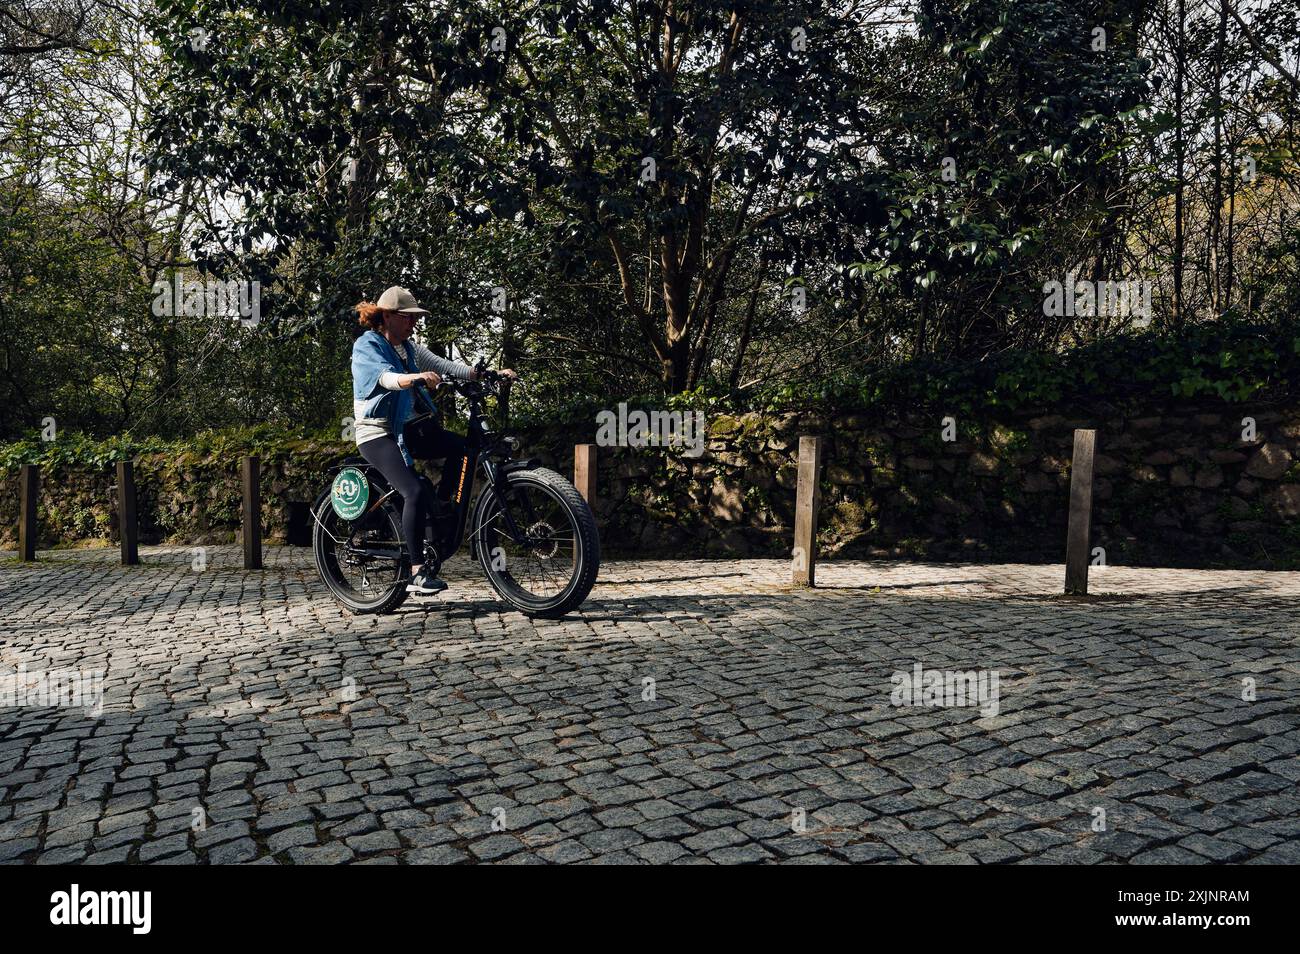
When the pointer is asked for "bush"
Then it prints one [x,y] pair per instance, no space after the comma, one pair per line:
[1227,360]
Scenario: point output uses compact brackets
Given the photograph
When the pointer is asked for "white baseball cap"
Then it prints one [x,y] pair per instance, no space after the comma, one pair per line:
[399,299]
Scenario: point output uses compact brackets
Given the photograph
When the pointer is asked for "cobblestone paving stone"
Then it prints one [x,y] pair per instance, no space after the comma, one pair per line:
[475,734]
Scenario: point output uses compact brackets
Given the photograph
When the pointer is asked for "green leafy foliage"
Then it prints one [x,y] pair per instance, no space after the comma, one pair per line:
[916,181]
[79,450]
[1233,362]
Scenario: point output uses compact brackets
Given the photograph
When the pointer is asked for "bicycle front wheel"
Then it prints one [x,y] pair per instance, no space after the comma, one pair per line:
[539,546]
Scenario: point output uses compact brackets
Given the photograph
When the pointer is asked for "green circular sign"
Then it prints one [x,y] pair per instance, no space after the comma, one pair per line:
[350,493]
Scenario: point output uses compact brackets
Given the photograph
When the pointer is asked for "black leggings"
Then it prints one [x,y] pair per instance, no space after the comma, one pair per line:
[384,454]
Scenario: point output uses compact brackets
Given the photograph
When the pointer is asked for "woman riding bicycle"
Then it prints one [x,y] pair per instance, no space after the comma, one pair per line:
[388,370]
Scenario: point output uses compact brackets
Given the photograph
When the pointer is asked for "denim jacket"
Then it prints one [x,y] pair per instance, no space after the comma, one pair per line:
[372,355]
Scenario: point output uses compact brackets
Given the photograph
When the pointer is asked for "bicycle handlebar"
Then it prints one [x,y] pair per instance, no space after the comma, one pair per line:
[485,385]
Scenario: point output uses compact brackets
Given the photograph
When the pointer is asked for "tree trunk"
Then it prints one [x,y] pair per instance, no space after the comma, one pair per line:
[509,355]
[375,90]
[1216,210]
[1180,155]
[677,366]
[743,345]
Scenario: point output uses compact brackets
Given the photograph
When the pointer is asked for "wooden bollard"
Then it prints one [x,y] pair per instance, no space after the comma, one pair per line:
[584,472]
[128,525]
[29,489]
[252,514]
[1079,534]
[807,501]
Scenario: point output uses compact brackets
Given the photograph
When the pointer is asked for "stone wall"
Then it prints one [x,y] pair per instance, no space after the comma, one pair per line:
[1176,486]
[181,497]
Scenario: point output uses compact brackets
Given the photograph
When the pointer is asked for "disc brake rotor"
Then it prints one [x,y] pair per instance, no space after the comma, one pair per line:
[541,537]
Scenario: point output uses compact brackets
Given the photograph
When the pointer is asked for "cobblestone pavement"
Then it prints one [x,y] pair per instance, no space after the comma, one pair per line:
[768,733]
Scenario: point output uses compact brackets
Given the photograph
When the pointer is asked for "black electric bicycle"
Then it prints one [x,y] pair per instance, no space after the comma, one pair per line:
[530,529]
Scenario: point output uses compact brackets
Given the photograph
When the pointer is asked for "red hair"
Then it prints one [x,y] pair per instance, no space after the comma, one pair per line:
[369,315]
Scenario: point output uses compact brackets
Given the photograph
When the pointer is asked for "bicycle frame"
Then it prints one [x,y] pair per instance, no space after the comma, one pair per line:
[485,451]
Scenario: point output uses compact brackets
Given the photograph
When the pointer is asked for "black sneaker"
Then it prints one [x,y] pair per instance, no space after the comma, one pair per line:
[425,582]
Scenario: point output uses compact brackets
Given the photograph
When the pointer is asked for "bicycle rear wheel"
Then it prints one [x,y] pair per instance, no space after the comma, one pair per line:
[362,561]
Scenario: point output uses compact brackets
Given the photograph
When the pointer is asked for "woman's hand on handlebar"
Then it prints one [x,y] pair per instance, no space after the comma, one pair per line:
[483,374]
[428,378]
